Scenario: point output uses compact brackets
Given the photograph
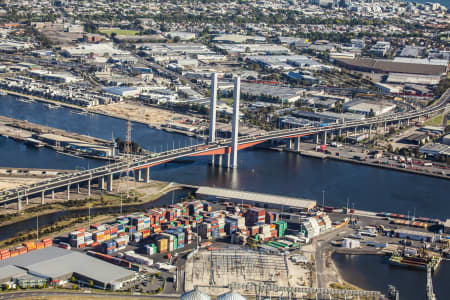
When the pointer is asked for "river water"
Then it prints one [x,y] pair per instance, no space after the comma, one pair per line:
[262,171]
[373,272]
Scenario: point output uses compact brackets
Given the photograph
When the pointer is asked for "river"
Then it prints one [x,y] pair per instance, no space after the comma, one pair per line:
[373,272]
[263,171]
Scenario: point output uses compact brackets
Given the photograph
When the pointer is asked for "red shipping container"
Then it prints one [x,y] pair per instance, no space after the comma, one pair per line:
[81,229]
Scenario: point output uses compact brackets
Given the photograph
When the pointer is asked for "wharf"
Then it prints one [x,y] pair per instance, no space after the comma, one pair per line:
[40,99]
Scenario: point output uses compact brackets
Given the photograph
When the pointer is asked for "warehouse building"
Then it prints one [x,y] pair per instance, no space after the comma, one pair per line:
[391,66]
[255,199]
[57,265]
[416,235]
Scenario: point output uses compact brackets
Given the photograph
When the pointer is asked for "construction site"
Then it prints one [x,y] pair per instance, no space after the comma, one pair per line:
[215,271]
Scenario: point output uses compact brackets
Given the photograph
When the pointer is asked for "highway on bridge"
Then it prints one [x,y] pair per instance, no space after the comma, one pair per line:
[220,147]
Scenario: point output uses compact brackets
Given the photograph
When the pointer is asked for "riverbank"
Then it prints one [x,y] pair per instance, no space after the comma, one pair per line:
[321,155]
[145,194]
[133,113]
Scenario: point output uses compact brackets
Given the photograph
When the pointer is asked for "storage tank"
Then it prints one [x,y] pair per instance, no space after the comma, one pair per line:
[195,294]
[231,296]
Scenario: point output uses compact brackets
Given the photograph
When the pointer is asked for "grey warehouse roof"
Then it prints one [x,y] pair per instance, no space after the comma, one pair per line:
[53,262]
[256,197]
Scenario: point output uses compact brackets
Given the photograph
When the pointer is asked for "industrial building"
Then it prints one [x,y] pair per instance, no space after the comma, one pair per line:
[391,66]
[366,108]
[416,235]
[57,265]
[256,199]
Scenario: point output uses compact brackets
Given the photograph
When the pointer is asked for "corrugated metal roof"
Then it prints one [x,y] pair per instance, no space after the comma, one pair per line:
[53,262]
[7,272]
[256,197]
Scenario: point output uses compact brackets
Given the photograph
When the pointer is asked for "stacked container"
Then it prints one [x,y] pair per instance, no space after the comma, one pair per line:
[98,236]
[47,242]
[108,247]
[230,226]
[76,238]
[162,244]
[281,227]
[255,215]
[151,249]
[13,253]
[22,250]
[30,246]
[121,242]
[187,236]
[4,253]
[195,208]
[204,230]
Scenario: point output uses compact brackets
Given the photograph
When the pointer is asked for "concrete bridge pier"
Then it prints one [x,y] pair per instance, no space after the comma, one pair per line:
[407,122]
[146,174]
[53,194]
[385,127]
[297,144]
[26,200]
[78,188]
[138,175]
[213,158]
[101,183]
[220,160]
[236,118]
[228,160]
[317,139]
[324,138]
[109,180]
[399,124]
[68,192]
[89,187]
[43,198]
[19,203]
[291,144]
[340,132]
[356,130]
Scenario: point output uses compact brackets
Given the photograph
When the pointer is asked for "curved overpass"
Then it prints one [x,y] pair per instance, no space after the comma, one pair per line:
[219,148]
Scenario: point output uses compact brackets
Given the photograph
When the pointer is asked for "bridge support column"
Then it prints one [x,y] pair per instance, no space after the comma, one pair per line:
[110,182]
[146,174]
[213,160]
[26,200]
[19,203]
[228,160]
[220,160]
[385,127]
[324,137]
[68,192]
[407,122]
[399,124]
[78,188]
[101,183]
[356,130]
[297,144]
[291,144]
[236,117]
[212,110]
[89,187]
[317,139]
[43,198]
[137,175]
[53,194]
[340,132]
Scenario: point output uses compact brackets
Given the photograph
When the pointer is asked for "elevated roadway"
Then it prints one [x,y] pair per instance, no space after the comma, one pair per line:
[220,147]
